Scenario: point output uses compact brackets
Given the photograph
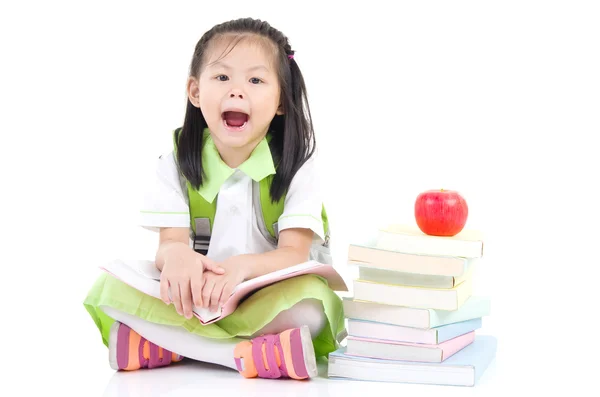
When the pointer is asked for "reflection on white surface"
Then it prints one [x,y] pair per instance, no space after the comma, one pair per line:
[192,378]
[196,379]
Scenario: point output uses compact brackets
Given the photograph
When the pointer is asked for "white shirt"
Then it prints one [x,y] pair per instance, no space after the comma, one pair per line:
[235,228]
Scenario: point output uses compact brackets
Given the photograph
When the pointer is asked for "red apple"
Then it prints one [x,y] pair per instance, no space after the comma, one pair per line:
[441,212]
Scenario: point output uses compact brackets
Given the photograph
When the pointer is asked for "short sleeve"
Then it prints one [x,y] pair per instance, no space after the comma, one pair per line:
[164,203]
[304,201]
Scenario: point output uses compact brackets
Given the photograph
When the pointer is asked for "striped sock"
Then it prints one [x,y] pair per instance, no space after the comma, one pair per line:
[129,351]
[289,354]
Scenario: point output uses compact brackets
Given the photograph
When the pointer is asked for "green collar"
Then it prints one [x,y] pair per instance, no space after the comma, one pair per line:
[258,166]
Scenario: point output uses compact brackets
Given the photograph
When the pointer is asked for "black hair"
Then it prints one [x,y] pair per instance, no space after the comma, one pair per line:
[292,140]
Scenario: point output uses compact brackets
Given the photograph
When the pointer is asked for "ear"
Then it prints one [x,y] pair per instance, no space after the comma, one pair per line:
[193,91]
[279,111]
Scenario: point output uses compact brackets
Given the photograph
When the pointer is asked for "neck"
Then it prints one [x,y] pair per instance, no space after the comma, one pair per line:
[234,157]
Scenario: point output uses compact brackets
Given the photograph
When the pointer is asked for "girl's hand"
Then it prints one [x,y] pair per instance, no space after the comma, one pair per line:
[183,274]
[217,288]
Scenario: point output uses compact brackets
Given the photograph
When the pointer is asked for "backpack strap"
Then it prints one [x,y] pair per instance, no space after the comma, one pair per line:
[202,213]
[271,211]
[325,226]
[202,218]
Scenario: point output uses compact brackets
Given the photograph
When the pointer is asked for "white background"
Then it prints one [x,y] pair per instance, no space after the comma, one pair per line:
[498,100]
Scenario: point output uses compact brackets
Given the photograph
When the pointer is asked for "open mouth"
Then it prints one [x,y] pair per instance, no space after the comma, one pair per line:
[234,120]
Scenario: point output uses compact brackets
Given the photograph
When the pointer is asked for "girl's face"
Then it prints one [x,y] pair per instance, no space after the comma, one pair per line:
[238,94]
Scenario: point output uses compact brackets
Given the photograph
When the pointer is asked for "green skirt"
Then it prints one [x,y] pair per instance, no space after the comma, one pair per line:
[252,314]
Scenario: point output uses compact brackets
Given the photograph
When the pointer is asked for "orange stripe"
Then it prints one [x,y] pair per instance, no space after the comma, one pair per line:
[285,338]
[134,359]
[264,356]
[175,357]
[277,356]
[277,359]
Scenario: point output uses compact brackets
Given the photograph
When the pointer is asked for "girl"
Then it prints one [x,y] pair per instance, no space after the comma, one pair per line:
[242,182]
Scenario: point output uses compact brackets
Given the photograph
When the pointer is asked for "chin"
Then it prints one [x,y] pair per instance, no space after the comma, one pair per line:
[234,142]
[234,139]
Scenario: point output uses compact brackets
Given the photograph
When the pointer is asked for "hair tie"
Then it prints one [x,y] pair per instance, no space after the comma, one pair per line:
[291,56]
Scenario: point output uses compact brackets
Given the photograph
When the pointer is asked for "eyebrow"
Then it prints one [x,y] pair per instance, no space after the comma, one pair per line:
[226,66]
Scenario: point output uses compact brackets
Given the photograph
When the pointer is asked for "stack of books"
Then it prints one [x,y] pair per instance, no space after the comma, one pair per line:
[413,317]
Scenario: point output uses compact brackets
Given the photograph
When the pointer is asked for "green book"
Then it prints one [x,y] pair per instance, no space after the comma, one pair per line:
[474,307]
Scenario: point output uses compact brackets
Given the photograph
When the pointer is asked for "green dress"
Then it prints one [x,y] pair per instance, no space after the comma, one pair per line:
[251,315]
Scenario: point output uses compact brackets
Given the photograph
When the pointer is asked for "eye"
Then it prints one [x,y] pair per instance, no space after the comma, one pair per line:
[255,80]
[222,77]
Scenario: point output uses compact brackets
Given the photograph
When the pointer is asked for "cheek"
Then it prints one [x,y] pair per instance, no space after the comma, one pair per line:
[207,102]
[269,102]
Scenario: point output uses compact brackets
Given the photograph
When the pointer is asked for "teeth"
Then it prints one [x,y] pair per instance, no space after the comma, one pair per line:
[234,127]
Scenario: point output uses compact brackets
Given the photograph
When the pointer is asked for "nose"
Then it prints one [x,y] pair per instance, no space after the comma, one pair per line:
[236,94]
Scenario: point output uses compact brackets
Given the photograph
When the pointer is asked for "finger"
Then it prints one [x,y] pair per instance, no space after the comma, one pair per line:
[211,265]
[227,289]
[207,291]
[215,297]
[175,293]
[164,290]
[196,285]
[186,298]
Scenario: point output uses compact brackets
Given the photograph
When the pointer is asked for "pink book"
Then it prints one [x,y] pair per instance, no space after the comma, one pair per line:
[145,277]
[406,351]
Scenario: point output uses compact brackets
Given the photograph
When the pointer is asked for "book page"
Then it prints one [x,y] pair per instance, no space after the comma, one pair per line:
[147,269]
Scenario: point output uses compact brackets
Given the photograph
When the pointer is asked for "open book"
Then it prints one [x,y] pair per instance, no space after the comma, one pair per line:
[145,277]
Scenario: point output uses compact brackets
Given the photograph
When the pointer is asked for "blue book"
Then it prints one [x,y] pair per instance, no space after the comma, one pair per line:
[464,368]
[450,331]
[431,336]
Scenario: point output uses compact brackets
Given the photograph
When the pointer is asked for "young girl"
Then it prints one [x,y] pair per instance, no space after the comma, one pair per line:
[241,180]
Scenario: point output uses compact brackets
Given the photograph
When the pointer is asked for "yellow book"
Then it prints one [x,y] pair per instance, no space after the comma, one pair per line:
[411,240]
[385,276]
[415,297]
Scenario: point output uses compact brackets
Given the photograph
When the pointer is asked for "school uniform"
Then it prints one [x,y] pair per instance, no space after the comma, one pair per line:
[235,229]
